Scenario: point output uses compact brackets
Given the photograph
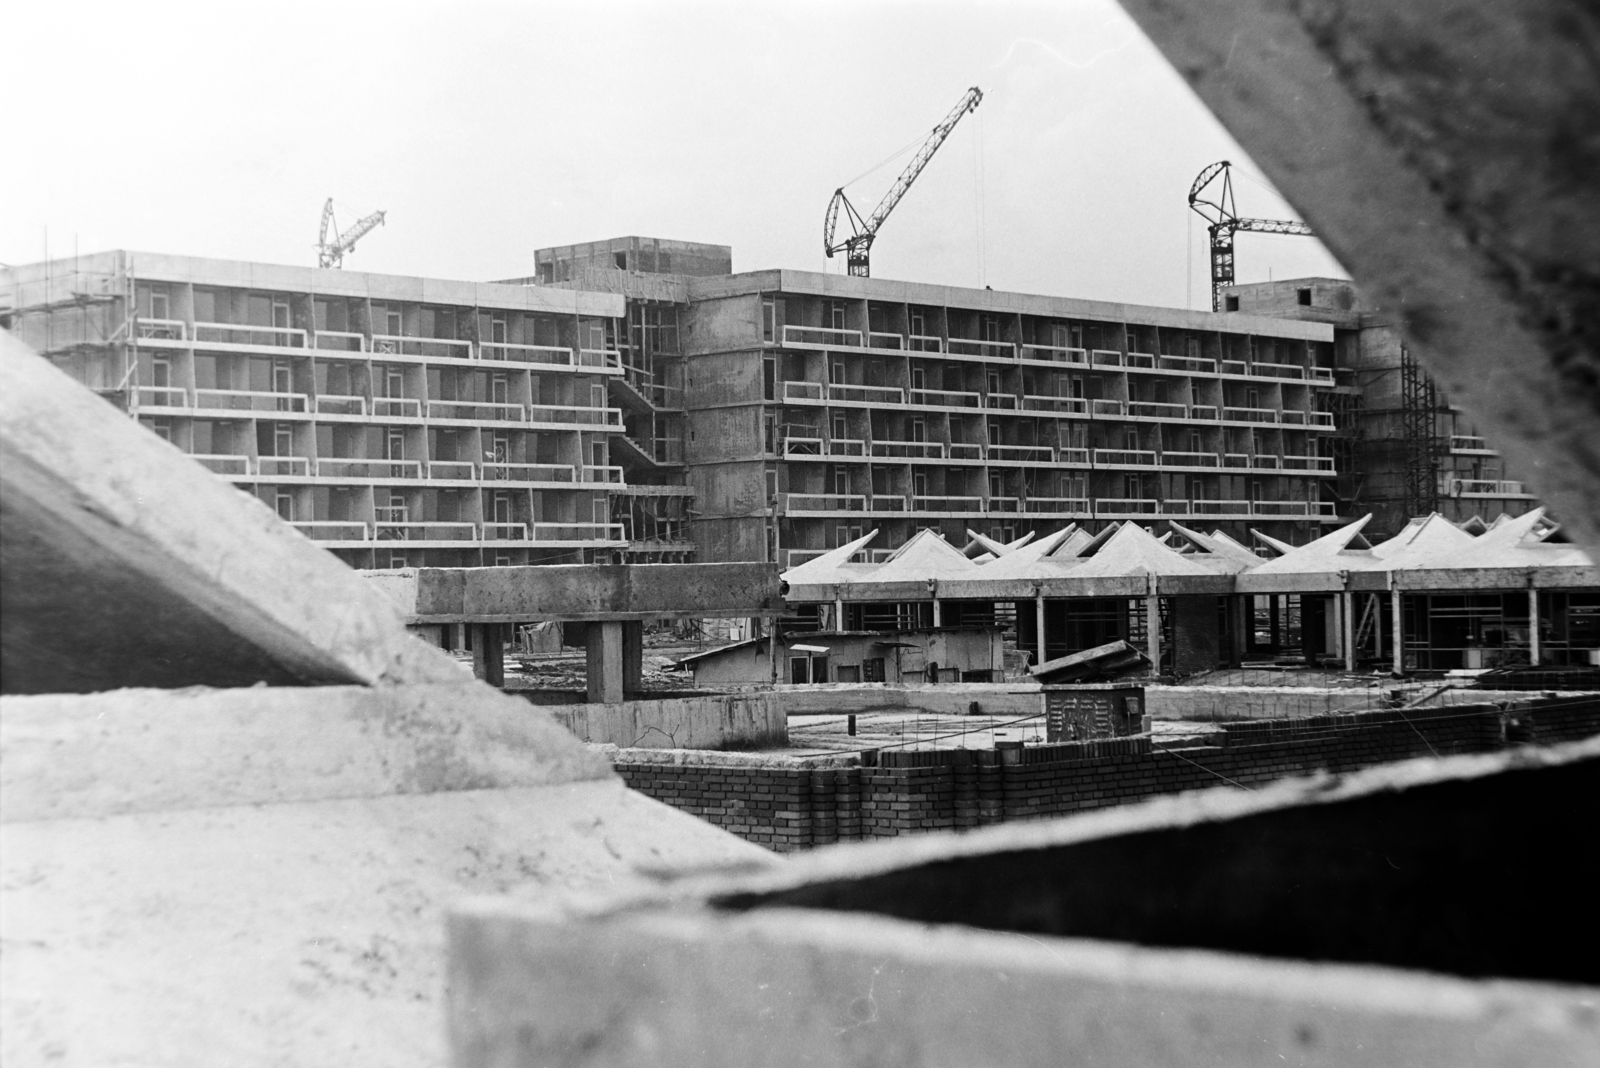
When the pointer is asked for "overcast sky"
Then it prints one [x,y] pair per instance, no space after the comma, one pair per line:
[487,130]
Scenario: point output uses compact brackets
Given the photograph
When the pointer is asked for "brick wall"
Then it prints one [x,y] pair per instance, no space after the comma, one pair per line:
[894,792]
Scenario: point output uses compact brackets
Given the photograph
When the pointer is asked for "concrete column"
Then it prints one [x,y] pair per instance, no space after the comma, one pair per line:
[1152,631]
[632,656]
[1242,605]
[936,615]
[1533,626]
[604,649]
[488,653]
[1347,631]
[1397,628]
[1038,615]
[838,614]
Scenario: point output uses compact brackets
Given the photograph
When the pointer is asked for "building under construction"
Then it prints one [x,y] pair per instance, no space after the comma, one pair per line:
[635,400]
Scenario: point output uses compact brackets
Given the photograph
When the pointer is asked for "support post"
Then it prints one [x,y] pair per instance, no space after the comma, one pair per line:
[604,649]
[1038,637]
[1242,607]
[632,656]
[936,614]
[488,653]
[1152,629]
[1397,629]
[1272,624]
[1347,628]
[1533,624]
[838,614]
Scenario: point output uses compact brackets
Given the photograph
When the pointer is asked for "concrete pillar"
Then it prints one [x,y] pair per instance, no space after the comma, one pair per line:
[488,653]
[1242,605]
[1533,626]
[604,649]
[1397,628]
[838,614]
[1038,639]
[1152,631]
[936,614]
[1347,631]
[632,656]
[1272,624]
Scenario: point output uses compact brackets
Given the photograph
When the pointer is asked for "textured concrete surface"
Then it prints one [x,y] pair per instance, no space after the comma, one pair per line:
[1445,151]
[718,722]
[257,876]
[850,955]
[113,540]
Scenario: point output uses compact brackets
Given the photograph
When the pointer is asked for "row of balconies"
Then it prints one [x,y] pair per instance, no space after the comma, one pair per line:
[226,403]
[356,534]
[345,469]
[1470,445]
[799,448]
[272,340]
[1481,487]
[826,505]
[944,399]
[818,337]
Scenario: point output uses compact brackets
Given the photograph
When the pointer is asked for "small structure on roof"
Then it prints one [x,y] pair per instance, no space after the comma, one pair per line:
[945,654]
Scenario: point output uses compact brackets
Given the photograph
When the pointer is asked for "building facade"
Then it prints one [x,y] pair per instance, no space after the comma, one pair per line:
[1401,448]
[397,421]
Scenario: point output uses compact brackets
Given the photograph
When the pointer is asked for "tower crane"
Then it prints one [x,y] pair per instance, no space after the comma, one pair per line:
[1225,221]
[858,246]
[331,253]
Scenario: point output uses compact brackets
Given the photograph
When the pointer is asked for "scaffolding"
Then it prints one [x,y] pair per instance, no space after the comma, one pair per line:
[1419,408]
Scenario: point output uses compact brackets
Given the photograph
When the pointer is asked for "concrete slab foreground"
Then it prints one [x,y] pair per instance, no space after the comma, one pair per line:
[115,542]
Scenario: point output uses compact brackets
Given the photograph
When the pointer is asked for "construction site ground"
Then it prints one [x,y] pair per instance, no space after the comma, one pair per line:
[815,735]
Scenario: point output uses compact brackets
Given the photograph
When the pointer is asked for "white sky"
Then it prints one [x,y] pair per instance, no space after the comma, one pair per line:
[490,129]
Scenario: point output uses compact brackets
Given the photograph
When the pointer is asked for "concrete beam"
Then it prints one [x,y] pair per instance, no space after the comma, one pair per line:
[580,592]
[124,562]
[1461,198]
[603,646]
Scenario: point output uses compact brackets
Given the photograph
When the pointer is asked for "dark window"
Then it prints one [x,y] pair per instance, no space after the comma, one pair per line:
[1303,296]
[872,670]
[1230,303]
[621,260]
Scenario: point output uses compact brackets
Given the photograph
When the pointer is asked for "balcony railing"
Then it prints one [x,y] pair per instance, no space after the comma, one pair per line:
[1469,443]
[1158,410]
[866,394]
[333,530]
[1062,405]
[804,391]
[597,532]
[1108,407]
[1105,358]
[1189,364]
[880,340]
[480,411]
[255,400]
[1480,487]
[1189,459]
[1042,454]
[800,503]
[940,398]
[608,418]
[162,397]
[340,404]
[1202,411]
[1235,367]
[1145,360]
[794,446]
[367,467]
[397,407]
[1277,370]
[887,502]
[1307,463]
[160,329]
[603,358]
[946,504]
[1072,457]
[505,532]
[1279,508]
[283,466]
[1320,374]
[509,472]
[1000,401]
[1250,415]
[846,447]
[390,530]
[961,450]
[246,334]
[1056,354]
[822,335]
[1056,505]
[446,470]
[513,352]
[1264,462]
[1202,507]
[994,350]
[437,348]
[924,343]
[338,341]
[1125,457]
[1126,506]
[609,475]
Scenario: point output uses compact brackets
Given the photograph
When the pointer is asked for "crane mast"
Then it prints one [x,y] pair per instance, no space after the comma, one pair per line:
[858,246]
[331,253]
[1224,221]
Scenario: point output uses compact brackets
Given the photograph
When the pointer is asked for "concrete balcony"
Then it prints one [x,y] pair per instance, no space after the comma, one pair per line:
[283,466]
[1033,454]
[1124,458]
[244,337]
[1052,354]
[1190,459]
[367,468]
[943,398]
[823,504]
[1481,487]
[1032,402]
[1186,364]
[1470,445]
[822,337]
[338,404]
[251,400]
[400,345]
[396,408]
[477,411]
[1142,360]
[339,341]
[223,464]
[335,530]
[1126,506]
[1105,358]
[1057,506]
[1312,464]
[918,450]
[1158,410]
[531,474]
[921,503]
[992,350]
[160,332]
[541,356]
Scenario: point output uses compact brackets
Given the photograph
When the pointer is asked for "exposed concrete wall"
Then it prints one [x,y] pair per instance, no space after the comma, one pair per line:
[950,699]
[717,722]
[1206,703]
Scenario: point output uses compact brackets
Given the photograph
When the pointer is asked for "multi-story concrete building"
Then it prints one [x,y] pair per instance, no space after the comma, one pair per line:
[398,421]
[635,398]
[1401,448]
[817,406]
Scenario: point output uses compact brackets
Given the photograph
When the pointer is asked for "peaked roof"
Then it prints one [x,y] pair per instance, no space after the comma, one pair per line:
[1133,550]
[1430,542]
[1324,554]
[1218,552]
[926,556]
[993,547]
[830,567]
[1023,562]
[1516,542]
